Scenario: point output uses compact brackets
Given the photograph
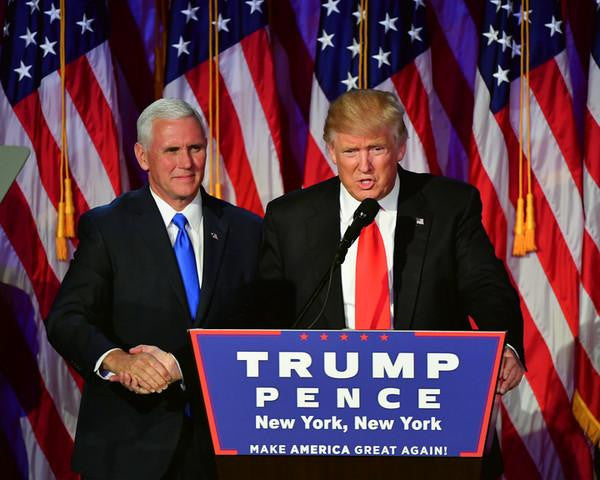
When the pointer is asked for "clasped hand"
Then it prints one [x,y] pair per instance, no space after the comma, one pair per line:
[144,369]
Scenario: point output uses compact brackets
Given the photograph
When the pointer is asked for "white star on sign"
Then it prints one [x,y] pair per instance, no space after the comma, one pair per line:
[48,47]
[355,47]
[255,6]
[33,4]
[181,46]
[326,40]
[501,75]
[222,23]
[505,41]
[190,13]
[389,23]
[492,35]
[23,71]
[413,33]
[85,24]
[350,82]
[331,6]
[554,26]
[53,13]
[358,14]
[382,57]
[29,38]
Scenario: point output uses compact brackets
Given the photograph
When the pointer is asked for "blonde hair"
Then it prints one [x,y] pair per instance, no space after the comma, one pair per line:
[364,112]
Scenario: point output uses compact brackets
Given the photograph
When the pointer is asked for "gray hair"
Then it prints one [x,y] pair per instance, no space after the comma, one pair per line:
[165,108]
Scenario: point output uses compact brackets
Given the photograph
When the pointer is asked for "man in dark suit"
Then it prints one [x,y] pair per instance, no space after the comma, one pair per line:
[426,263]
[150,265]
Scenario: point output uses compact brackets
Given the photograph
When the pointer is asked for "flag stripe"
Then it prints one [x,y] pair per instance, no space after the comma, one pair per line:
[90,178]
[42,414]
[413,95]
[246,106]
[96,115]
[232,144]
[260,67]
[521,464]
[552,94]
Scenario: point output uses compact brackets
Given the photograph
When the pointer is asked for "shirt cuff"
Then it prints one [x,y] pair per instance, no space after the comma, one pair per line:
[182,381]
[512,349]
[105,374]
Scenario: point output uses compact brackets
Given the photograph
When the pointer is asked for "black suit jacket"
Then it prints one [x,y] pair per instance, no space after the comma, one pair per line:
[123,288]
[445,268]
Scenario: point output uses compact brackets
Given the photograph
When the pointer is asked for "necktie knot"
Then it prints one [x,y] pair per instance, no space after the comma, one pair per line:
[179,220]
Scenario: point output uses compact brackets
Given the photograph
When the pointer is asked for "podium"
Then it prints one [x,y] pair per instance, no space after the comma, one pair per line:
[357,404]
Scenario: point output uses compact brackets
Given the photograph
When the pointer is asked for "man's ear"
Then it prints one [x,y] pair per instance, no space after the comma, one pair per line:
[141,156]
[401,152]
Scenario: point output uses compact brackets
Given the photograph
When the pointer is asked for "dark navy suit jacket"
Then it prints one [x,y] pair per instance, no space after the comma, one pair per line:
[123,288]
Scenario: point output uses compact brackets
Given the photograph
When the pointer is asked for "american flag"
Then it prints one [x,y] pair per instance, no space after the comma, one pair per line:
[455,66]
[250,140]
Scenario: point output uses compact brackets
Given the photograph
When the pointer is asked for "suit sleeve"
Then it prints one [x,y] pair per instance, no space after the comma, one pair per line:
[484,285]
[81,314]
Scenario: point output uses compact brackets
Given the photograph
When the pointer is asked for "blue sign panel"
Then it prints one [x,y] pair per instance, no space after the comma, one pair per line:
[348,392]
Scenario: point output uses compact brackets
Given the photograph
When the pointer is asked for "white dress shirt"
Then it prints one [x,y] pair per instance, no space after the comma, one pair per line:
[386,221]
[194,227]
[195,230]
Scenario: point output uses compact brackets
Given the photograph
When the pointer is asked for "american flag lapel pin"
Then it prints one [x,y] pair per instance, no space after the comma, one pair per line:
[420,221]
[214,235]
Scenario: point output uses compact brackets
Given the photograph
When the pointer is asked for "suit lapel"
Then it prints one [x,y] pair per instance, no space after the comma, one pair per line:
[151,227]
[215,236]
[413,225]
[323,231]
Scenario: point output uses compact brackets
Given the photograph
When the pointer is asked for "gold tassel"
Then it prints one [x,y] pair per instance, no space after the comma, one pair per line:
[69,210]
[530,226]
[588,422]
[61,241]
[519,245]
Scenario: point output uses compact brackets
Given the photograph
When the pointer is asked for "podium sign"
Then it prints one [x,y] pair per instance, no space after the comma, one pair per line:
[348,393]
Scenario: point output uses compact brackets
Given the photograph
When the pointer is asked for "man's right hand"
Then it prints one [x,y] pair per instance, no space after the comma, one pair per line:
[141,373]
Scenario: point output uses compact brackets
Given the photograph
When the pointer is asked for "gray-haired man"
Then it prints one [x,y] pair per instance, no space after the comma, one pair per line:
[150,265]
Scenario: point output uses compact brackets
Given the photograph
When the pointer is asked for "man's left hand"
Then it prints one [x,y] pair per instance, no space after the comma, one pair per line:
[511,371]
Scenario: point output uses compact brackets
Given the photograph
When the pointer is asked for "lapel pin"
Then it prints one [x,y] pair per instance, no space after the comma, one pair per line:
[214,235]
[420,221]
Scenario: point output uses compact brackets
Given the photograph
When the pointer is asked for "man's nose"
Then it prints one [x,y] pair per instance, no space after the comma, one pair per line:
[364,161]
[184,159]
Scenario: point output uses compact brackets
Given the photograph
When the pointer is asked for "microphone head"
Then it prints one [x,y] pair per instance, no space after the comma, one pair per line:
[366,211]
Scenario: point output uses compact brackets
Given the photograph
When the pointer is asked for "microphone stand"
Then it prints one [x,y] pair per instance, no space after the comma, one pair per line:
[363,216]
[339,258]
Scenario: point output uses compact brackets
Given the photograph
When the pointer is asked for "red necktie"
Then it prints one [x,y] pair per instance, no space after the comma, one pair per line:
[372,295]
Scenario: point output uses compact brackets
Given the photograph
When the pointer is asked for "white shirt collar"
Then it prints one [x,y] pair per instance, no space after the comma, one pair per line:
[192,211]
[349,204]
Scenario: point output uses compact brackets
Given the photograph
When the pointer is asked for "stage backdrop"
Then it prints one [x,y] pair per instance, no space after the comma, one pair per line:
[455,66]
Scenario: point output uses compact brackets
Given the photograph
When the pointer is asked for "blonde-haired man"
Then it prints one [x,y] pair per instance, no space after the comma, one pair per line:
[438,266]
[425,263]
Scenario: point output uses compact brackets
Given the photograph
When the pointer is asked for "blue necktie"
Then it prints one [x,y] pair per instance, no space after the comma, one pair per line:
[184,251]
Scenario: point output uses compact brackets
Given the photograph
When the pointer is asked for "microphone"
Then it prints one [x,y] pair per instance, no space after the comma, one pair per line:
[363,216]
